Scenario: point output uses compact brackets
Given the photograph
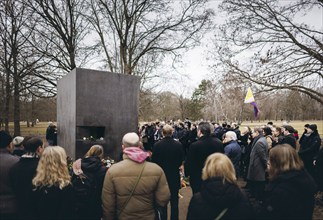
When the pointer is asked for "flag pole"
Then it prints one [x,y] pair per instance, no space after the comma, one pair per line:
[241,111]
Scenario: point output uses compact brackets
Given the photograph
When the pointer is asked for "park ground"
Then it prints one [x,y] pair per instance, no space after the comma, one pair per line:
[40,130]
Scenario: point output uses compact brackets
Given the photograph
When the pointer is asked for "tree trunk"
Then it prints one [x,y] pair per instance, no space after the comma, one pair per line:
[16,95]
[7,103]
[33,118]
[16,112]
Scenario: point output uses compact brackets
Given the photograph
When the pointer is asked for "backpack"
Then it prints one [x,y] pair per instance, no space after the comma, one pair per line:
[84,187]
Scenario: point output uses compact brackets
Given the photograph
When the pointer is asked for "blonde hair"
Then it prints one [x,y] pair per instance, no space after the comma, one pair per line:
[52,168]
[131,140]
[219,165]
[167,130]
[95,150]
[283,158]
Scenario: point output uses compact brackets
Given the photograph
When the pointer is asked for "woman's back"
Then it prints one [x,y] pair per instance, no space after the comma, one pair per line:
[289,196]
[215,196]
[53,203]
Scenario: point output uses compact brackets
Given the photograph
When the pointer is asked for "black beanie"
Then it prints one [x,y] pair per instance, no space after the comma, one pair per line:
[313,127]
[5,139]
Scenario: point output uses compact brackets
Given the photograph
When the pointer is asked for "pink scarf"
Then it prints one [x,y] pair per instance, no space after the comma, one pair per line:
[136,154]
[77,167]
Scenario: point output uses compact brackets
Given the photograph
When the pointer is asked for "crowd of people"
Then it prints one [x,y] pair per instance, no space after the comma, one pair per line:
[283,173]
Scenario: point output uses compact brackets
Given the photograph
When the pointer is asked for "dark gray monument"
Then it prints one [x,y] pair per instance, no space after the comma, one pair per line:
[96,107]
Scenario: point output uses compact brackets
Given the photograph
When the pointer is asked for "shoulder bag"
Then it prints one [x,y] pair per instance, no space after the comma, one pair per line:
[221,214]
[133,190]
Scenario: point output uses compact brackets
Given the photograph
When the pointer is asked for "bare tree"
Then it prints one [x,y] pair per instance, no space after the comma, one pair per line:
[20,61]
[287,53]
[132,31]
[60,31]
[16,54]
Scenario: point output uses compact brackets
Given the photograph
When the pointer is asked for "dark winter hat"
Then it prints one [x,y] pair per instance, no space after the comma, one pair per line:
[5,139]
[306,125]
[313,127]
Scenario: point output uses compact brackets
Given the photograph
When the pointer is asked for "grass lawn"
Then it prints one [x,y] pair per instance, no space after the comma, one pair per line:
[298,125]
[40,128]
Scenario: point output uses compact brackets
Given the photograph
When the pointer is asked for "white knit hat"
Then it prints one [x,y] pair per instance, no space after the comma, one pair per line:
[17,140]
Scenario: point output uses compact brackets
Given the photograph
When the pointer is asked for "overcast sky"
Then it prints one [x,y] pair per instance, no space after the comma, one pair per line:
[195,66]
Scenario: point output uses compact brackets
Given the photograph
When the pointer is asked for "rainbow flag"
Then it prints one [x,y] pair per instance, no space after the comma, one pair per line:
[250,99]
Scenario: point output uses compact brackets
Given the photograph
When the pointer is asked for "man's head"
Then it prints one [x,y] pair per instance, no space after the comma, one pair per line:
[33,145]
[130,139]
[188,124]
[312,128]
[234,125]
[230,136]
[5,139]
[277,131]
[167,131]
[256,132]
[288,130]
[204,129]
[17,141]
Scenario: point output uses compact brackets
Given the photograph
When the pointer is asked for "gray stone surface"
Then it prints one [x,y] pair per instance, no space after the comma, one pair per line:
[96,103]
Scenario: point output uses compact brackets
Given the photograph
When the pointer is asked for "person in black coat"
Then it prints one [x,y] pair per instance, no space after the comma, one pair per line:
[92,167]
[318,163]
[22,173]
[290,192]
[51,134]
[309,148]
[220,194]
[52,196]
[304,136]
[192,136]
[288,136]
[198,153]
[169,155]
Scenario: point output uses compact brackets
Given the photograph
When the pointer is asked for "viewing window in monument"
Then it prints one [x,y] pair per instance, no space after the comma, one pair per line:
[90,133]
[87,136]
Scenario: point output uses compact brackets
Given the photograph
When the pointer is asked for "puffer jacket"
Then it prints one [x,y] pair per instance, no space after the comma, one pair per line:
[233,151]
[119,182]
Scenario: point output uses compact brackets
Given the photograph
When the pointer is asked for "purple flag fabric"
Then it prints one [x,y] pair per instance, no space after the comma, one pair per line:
[255,108]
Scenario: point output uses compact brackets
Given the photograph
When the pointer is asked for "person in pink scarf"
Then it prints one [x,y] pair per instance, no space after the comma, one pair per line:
[133,187]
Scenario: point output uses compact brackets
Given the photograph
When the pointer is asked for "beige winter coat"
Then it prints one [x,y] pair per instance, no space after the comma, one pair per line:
[119,182]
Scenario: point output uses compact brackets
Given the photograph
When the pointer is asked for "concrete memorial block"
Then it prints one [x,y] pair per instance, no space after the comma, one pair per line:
[96,107]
